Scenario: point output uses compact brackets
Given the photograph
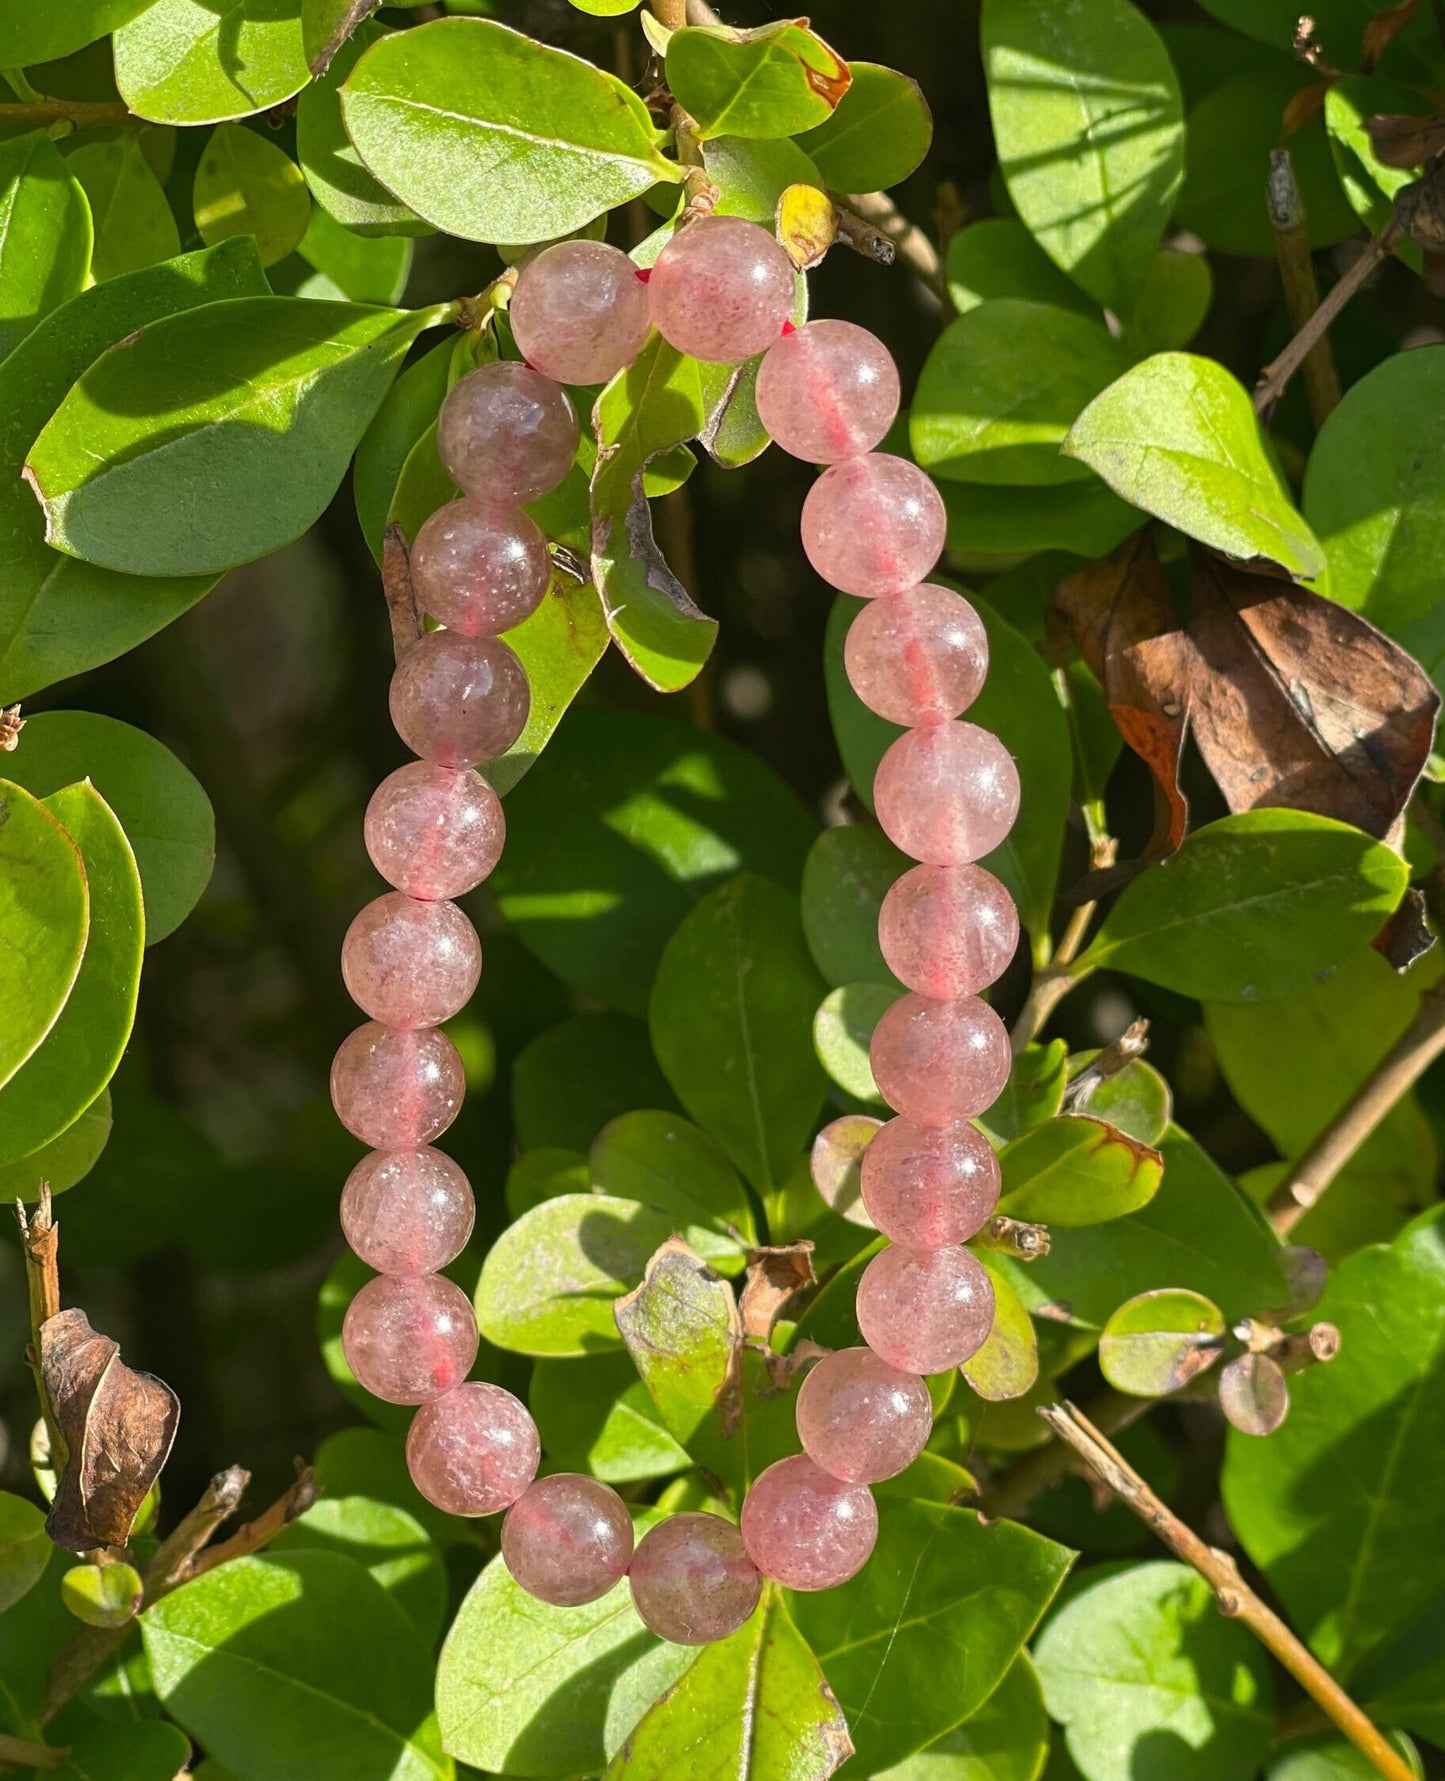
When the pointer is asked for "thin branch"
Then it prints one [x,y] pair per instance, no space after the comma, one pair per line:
[26,1755]
[913,247]
[40,1240]
[83,114]
[1045,1468]
[1232,1594]
[1301,288]
[672,14]
[396,584]
[253,1535]
[1054,982]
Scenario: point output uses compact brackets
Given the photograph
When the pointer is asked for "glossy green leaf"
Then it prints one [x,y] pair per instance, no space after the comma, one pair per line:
[203,61]
[45,235]
[1368,183]
[365,1462]
[246,185]
[31,34]
[1137,1099]
[1076,1171]
[847,873]
[1008,1363]
[751,176]
[774,80]
[44,923]
[132,222]
[494,137]
[878,134]
[24,1548]
[386,1541]
[1090,133]
[106,1595]
[407,413]
[987,522]
[339,182]
[843,1031]
[1178,437]
[559,645]
[1033,1093]
[682,1329]
[1159,1341]
[264,401]
[143,1750]
[576,1076]
[1002,386]
[364,268]
[280,1662]
[1253,906]
[1006,1739]
[668,1164]
[997,257]
[595,1415]
[1173,303]
[66,1159]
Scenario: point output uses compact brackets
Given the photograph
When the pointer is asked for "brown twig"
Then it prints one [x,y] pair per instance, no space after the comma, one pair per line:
[1301,288]
[396,584]
[1234,1596]
[253,1535]
[1132,1043]
[1014,1491]
[883,217]
[83,114]
[25,1755]
[40,1240]
[1054,982]
[1011,1236]
[859,234]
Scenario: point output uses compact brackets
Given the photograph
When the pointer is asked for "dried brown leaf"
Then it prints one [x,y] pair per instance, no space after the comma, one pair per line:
[1406,141]
[1380,31]
[773,1276]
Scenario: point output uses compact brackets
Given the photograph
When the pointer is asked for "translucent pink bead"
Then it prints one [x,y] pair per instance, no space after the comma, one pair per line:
[567,1539]
[918,657]
[473,1451]
[580,312]
[924,1311]
[479,567]
[862,1420]
[507,433]
[873,525]
[939,1061]
[409,1338]
[946,794]
[807,1528]
[928,1187]
[396,1090]
[459,700]
[947,930]
[829,390]
[407,1211]
[721,290]
[692,1579]
[409,963]
[434,831]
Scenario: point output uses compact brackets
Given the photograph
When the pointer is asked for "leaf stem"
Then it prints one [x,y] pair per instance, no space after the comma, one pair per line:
[868,220]
[1301,287]
[1054,982]
[26,1755]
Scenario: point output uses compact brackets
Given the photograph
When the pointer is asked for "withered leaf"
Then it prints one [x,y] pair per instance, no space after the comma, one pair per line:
[117,1426]
[1407,935]
[1420,212]
[773,1276]
[1380,32]
[1406,141]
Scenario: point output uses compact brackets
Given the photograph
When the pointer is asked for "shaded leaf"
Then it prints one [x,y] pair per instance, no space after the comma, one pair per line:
[997,257]
[595,1415]
[667,1163]
[339,181]
[989,522]
[845,877]
[1033,1093]
[45,235]
[202,61]
[664,634]
[1006,1739]
[44,922]
[576,1076]
[1159,1341]
[558,645]
[24,1548]
[132,221]
[386,1540]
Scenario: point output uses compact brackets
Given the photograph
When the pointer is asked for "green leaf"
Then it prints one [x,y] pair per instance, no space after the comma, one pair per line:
[1332,1759]
[876,137]
[364,268]
[773,80]
[31,34]
[753,1707]
[1173,303]
[203,61]
[493,137]
[1159,1341]
[44,923]
[1074,1171]
[682,1329]
[1137,1099]
[344,1279]
[542,1175]
[246,185]
[1141,1668]
[668,1164]
[1178,437]
[1001,387]
[845,877]
[166,815]
[275,1664]
[386,1541]
[106,1595]
[407,414]
[1401,1681]
[1274,22]
[919,1639]
[1007,1738]
[578,1075]
[65,1160]
[1008,1363]
[1034,1092]
[339,182]
[24,1548]
[45,235]
[365,1462]
[1090,133]
[144,1750]
[997,257]
[217,434]
[731,1016]
[132,221]
[58,616]
[751,177]
[78,1058]
[843,1031]
[1339,1505]
[595,1415]
[988,522]
[1253,906]
[559,645]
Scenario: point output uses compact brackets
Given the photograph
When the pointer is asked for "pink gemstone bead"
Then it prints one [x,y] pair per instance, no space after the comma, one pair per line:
[947,930]
[459,700]
[506,433]
[396,1090]
[862,1420]
[919,657]
[407,1211]
[807,1528]
[721,290]
[408,963]
[946,794]
[434,831]
[939,1061]
[478,568]
[692,1579]
[473,1451]
[568,1539]
[409,1338]
[929,1187]
[925,1310]
[580,312]
[873,525]
[829,390]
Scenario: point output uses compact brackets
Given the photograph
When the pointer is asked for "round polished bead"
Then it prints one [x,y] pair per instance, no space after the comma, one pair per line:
[862,1420]
[721,290]
[692,1579]
[579,312]
[828,390]
[873,525]
[507,433]
[947,794]
[939,1061]
[806,1528]
[396,1089]
[410,963]
[834,1163]
[948,930]
[459,700]
[929,1187]
[474,1451]
[409,1338]
[918,657]
[434,831]
[407,1211]
[479,568]
[568,1539]
[925,1310]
